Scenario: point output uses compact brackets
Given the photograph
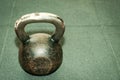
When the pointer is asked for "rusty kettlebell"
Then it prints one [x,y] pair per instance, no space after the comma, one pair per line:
[40,53]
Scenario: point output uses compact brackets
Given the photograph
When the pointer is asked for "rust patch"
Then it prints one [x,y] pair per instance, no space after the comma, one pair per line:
[40,65]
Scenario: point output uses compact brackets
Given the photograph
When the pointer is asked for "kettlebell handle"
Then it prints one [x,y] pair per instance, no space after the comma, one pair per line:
[39,17]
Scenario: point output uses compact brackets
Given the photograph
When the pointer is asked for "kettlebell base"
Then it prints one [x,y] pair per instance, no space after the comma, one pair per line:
[40,74]
[41,71]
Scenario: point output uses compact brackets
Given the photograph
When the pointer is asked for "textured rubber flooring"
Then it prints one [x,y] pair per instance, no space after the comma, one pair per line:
[91,43]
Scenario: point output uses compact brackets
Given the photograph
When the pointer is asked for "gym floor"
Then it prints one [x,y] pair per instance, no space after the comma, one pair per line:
[91,43]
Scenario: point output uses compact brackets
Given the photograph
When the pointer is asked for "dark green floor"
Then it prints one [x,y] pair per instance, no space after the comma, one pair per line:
[91,43]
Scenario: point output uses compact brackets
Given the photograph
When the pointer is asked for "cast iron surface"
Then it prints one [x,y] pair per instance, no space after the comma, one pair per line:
[40,56]
[40,53]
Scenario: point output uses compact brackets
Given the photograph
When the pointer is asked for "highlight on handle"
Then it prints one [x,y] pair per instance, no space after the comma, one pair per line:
[36,18]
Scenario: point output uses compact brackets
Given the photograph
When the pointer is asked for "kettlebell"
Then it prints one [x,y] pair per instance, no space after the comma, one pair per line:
[40,53]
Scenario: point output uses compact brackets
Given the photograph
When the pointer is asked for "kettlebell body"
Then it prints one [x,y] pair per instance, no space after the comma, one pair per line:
[40,53]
